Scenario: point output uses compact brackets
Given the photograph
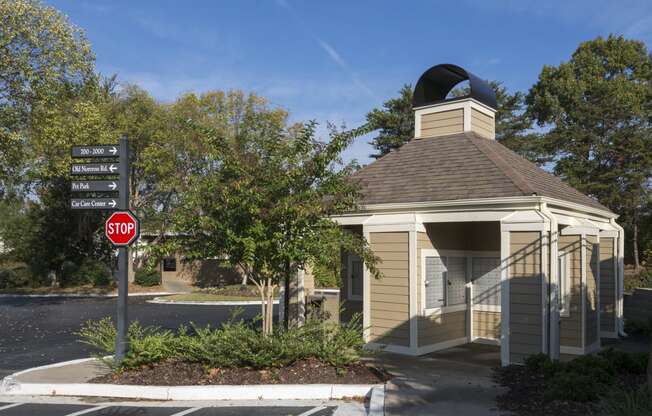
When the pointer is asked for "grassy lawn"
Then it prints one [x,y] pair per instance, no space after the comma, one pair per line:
[227,293]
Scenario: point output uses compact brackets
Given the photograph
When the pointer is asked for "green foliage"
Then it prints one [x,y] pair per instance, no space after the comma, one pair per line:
[638,327]
[89,272]
[235,343]
[394,122]
[641,279]
[622,401]
[15,277]
[597,109]
[147,277]
[586,378]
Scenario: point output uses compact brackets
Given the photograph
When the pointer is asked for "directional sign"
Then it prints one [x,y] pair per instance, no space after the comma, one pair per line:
[96,151]
[93,203]
[94,186]
[122,228]
[94,169]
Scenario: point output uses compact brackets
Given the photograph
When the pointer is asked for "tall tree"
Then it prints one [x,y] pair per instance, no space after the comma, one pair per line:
[272,189]
[395,122]
[597,109]
[42,56]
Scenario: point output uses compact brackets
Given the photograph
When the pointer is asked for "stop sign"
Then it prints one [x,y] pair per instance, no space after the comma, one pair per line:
[122,228]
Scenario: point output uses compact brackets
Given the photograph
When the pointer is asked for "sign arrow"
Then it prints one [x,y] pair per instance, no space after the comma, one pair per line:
[113,185]
[94,186]
[113,168]
[94,169]
[93,203]
[112,203]
[113,150]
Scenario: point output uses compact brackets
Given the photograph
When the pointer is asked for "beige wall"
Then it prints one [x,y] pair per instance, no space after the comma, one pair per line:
[607,285]
[483,124]
[443,327]
[571,326]
[525,281]
[592,313]
[475,236]
[442,123]
[486,324]
[389,299]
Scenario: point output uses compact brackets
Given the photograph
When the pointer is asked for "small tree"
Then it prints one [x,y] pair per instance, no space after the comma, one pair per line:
[263,201]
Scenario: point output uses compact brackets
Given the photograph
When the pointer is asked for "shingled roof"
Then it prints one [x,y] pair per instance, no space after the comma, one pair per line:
[459,166]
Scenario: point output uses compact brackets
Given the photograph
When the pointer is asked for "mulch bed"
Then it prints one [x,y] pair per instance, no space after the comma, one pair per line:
[525,396]
[181,373]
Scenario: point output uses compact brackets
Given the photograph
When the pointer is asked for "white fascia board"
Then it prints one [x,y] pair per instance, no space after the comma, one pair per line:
[391,219]
[518,202]
[451,105]
[350,219]
[524,221]
[473,216]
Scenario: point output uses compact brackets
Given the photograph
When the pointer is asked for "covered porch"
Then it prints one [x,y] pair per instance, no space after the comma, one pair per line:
[524,280]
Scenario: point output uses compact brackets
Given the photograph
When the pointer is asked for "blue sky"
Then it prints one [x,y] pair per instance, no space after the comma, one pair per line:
[335,60]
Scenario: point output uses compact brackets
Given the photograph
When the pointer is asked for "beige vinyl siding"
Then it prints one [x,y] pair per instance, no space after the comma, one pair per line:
[442,327]
[389,296]
[591,313]
[607,285]
[486,324]
[525,315]
[482,124]
[570,334]
[442,123]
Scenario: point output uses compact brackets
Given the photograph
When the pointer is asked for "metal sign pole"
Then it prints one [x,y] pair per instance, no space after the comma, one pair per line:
[121,341]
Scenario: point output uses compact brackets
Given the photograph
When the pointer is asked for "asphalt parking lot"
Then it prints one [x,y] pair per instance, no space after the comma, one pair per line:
[40,331]
[48,409]
[55,409]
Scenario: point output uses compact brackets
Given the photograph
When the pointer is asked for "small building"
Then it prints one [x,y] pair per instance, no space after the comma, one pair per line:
[477,244]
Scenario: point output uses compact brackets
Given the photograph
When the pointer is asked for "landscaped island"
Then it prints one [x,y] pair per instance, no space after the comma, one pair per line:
[237,352]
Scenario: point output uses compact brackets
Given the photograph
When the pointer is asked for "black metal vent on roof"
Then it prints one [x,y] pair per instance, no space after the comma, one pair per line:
[435,84]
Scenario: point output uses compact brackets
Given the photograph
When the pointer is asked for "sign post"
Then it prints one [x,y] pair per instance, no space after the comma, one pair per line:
[122,228]
[121,340]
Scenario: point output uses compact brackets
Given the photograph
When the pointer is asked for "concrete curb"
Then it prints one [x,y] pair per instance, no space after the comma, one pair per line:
[81,295]
[12,387]
[377,402]
[225,392]
[160,301]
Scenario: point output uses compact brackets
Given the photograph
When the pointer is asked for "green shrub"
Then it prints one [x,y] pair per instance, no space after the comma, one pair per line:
[88,272]
[627,402]
[586,378]
[15,277]
[235,343]
[638,327]
[147,277]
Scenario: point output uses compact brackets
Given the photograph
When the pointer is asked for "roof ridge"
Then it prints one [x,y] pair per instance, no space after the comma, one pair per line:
[517,179]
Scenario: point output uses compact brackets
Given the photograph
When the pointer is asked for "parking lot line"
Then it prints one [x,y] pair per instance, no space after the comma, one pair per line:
[83,412]
[187,411]
[313,411]
[9,406]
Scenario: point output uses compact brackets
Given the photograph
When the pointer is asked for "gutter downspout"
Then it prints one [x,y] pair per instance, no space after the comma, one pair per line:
[621,276]
[553,293]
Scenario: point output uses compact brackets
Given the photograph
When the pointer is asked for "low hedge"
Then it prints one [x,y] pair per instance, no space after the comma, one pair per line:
[586,378]
[236,343]
[147,277]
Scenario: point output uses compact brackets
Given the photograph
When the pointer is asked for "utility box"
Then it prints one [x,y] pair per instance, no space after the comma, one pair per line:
[325,304]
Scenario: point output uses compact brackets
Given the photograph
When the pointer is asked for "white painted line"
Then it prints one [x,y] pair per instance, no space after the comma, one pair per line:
[92,409]
[84,295]
[313,411]
[187,411]
[9,406]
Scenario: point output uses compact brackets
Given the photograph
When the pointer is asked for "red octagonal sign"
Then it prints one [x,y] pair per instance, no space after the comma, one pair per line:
[122,228]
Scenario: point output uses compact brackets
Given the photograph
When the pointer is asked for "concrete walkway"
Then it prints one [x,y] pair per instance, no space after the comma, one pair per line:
[453,382]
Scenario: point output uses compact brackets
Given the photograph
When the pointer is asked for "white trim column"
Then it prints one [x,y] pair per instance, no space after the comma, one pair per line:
[366,293]
[412,274]
[504,298]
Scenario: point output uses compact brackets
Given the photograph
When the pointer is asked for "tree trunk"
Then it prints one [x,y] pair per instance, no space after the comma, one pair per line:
[637,265]
[286,303]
